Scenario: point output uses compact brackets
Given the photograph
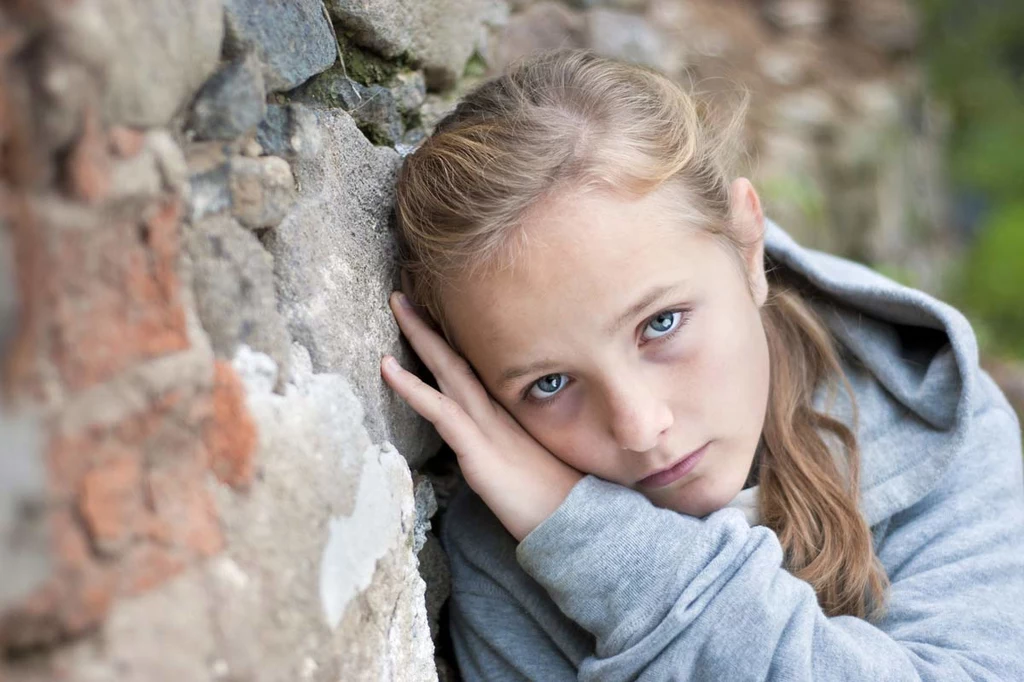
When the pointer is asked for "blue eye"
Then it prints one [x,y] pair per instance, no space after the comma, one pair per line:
[547,386]
[662,324]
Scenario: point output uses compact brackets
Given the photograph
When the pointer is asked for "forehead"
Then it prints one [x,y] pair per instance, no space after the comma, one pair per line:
[584,259]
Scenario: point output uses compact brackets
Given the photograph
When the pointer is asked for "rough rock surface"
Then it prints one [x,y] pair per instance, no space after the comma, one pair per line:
[163,50]
[289,131]
[334,262]
[262,190]
[373,107]
[319,569]
[233,279]
[24,539]
[439,34]
[232,101]
[294,40]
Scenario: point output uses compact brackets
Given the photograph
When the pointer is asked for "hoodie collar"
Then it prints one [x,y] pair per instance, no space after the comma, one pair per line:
[917,358]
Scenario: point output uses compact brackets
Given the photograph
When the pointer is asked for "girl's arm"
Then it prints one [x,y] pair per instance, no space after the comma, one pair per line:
[502,623]
[668,596]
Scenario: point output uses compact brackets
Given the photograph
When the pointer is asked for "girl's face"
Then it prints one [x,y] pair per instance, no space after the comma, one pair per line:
[624,341]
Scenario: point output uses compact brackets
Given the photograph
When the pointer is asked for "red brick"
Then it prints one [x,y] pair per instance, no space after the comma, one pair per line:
[88,164]
[117,297]
[147,566]
[111,502]
[21,364]
[182,502]
[74,599]
[126,142]
[231,435]
[130,508]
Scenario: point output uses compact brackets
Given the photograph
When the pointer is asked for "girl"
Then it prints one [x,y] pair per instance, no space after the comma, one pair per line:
[696,450]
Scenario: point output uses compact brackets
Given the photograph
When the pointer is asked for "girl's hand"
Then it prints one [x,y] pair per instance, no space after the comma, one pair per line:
[515,476]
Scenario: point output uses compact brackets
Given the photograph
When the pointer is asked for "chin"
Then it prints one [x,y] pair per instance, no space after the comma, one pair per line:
[703,496]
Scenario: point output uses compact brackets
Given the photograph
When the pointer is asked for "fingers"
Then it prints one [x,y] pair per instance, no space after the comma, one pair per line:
[454,376]
[453,424]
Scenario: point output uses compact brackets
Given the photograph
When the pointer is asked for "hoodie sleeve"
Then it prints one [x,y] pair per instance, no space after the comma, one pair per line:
[668,596]
[503,624]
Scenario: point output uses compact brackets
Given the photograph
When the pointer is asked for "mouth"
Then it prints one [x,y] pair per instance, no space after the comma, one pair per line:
[675,471]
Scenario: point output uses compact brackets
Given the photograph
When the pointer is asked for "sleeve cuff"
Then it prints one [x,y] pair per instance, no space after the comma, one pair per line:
[611,560]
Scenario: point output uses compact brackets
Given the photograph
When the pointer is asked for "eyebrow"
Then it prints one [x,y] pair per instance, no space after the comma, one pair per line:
[638,307]
[513,373]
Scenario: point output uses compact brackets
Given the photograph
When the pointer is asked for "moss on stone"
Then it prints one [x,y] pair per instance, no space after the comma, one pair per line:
[476,66]
[412,119]
[375,135]
[366,67]
[319,90]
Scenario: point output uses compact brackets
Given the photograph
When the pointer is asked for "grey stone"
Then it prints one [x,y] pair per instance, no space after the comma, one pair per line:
[334,259]
[294,40]
[618,4]
[629,37]
[8,289]
[411,139]
[890,25]
[783,64]
[24,532]
[232,276]
[231,103]
[262,190]
[318,568]
[258,191]
[809,110]
[209,193]
[207,168]
[426,507]
[409,89]
[373,107]
[438,34]
[436,573]
[807,16]
[163,52]
[290,131]
[543,26]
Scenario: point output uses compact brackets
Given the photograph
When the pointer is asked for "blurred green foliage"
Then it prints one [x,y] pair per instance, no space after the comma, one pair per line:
[992,283]
[975,58]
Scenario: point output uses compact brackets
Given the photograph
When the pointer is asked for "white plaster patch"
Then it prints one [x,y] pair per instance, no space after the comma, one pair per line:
[356,542]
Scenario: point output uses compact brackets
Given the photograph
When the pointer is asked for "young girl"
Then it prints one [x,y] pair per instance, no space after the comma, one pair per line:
[696,450]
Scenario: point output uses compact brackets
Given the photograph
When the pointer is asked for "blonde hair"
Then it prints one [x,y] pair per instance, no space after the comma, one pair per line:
[568,120]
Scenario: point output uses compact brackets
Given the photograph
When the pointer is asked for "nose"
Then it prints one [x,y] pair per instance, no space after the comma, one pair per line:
[638,416]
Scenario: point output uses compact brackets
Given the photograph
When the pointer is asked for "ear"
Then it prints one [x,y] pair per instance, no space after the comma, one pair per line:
[747,220]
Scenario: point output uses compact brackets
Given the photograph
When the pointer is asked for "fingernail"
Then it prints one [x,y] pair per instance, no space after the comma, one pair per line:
[391,363]
[404,300]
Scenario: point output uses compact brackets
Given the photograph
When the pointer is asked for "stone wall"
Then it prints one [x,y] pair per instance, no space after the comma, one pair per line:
[203,477]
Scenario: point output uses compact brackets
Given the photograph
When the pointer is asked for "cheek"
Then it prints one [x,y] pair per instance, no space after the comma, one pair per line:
[570,432]
[731,368]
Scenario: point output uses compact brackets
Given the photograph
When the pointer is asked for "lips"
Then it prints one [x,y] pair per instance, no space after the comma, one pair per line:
[676,471]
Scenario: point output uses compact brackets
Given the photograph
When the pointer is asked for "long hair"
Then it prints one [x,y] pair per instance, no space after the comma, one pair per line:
[570,120]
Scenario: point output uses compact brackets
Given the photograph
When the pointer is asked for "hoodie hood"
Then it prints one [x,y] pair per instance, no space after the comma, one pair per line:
[914,375]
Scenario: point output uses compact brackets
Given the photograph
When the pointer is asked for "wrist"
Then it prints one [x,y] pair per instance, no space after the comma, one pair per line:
[546,498]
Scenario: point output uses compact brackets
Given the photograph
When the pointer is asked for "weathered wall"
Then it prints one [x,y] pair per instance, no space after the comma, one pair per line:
[202,476]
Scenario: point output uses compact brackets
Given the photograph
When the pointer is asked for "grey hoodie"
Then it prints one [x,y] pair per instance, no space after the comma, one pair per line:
[610,587]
